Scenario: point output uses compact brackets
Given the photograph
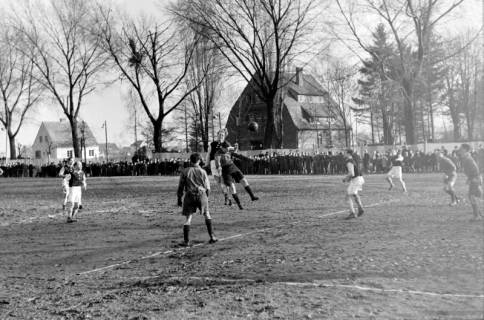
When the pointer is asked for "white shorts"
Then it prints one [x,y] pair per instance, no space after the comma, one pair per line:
[65,186]
[355,186]
[215,172]
[75,194]
[395,172]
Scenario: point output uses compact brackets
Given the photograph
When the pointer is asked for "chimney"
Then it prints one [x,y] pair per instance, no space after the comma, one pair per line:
[299,76]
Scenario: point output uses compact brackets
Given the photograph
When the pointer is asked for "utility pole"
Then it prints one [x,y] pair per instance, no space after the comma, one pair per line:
[213,126]
[105,126]
[219,121]
[135,132]
[186,128]
[83,139]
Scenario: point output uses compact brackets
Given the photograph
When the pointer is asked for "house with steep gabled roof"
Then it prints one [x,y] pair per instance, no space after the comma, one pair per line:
[53,142]
[308,122]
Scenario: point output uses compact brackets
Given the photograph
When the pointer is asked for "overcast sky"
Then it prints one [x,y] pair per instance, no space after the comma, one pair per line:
[107,103]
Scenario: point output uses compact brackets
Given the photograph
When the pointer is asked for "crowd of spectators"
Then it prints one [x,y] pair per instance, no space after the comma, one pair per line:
[325,163]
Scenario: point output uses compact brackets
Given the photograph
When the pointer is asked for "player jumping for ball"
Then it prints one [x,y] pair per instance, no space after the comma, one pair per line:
[231,174]
[450,175]
[213,148]
[396,171]
[194,188]
[77,180]
[356,181]
[474,179]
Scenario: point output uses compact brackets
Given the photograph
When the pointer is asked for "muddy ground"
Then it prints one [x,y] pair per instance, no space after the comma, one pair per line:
[290,255]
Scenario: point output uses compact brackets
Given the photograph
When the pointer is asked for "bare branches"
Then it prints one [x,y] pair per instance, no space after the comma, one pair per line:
[154,59]
[257,38]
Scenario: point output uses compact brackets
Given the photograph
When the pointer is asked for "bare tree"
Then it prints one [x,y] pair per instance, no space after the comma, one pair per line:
[66,54]
[19,89]
[257,38]
[154,58]
[412,24]
[342,87]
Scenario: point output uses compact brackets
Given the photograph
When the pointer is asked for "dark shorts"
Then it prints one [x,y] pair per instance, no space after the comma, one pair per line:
[475,188]
[231,174]
[192,202]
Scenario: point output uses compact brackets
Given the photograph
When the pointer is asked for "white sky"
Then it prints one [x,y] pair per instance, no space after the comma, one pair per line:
[107,103]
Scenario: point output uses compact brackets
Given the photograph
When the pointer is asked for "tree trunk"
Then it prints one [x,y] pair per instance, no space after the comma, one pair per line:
[269,127]
[75,137]
[408,115]
[157,125]
[13,150]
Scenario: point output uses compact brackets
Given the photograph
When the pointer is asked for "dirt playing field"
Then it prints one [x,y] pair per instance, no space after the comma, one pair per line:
[290,255]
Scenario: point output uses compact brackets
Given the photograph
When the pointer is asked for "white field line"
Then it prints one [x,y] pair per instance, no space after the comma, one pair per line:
[324,284]
[239,235]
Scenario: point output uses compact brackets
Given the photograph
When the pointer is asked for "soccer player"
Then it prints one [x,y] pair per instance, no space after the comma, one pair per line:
[396,171]
[77,180]
[474,179]
[213,148]
[231,174]
[194,188]
[64,173]
[450,175]
[1,172]
[356,182]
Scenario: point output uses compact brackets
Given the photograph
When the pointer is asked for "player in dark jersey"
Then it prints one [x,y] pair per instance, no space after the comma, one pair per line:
[448,167]
[474,179]
[356,182]
[231,174]
[77,180]
[194,187]
[396,171]
[213,148]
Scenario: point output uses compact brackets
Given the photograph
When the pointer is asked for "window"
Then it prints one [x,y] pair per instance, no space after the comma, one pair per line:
[46,139]
[40,139]
[38,154]
[69,153]
[91,153]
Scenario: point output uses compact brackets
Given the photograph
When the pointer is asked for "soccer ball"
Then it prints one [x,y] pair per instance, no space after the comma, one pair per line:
[253,126]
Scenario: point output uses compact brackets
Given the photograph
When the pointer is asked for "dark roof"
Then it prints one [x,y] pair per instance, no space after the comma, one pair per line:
[310,86]
[297,109]
[61,136]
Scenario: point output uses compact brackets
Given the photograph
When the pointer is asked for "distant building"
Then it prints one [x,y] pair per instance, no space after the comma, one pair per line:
[307,123]
[54,142]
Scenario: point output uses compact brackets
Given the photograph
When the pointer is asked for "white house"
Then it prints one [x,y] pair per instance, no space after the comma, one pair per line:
[54,142]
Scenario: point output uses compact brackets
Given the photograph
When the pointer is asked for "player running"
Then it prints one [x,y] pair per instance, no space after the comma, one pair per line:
[77,180]
[231,174]
[64,173]
[396,171]
[194,188]
[450,175]
[356,181]
[213,148]
[474,180]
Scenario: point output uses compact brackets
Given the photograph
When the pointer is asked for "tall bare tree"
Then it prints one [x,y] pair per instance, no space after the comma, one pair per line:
[207,69]
[257,38]
[154,58]
[66,54]
[19,89]
[411,23]
[341,86]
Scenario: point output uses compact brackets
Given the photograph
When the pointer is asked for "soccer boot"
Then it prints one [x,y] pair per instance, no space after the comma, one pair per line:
[360,212]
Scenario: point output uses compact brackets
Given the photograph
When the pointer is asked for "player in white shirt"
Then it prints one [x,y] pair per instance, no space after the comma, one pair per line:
[396,171]
[356,182]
